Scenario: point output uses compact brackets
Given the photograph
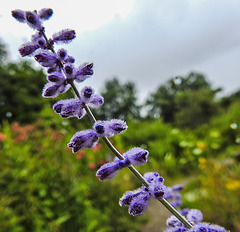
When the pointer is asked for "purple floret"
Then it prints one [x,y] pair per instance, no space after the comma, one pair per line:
[137,156]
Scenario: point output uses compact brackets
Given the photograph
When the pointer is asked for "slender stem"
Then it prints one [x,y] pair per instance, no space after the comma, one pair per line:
[118,154]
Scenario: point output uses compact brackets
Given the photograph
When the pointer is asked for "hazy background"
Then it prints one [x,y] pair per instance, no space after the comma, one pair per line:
[144,41]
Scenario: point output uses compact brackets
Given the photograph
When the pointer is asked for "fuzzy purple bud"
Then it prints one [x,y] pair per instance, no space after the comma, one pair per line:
[151,176]
[56,77]
[173,221]
[27,49]
[177,187]
[96,101]
[68,108]
[87,94]
[69,70]
[83,72]
[64,36]
[69,59]
[62,54]
[139,204]
[33,20]
[206,227]
[46,58]
[117,126]
[109,170]
[19,15]
[137,156]
[83,139]
[128,196]
[45,13]
[101,128]
[53,90]
[194,216]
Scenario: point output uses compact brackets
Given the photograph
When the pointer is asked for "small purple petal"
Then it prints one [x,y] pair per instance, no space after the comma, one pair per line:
[69,70]
[83,72]
[206,227]
[139,204]
[53,90]
[69,59]
[173,221]
[45,13]
[177,187]
[194,216]
[56,77]
[19,15]
[46,58]
[117,126]
[64,36]
[96,101]
[83,139]
[27,49]
[109,170]
[101,128]
[128,196]
[137,156]
[33,20]
[87,94]
[62,54]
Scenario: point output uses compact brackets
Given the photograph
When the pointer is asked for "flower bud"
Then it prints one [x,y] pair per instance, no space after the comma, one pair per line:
[45,13]
[27,49]
[83,139]
[87,94]
[46,58]
[128,196]
[19,15]
[33,20]
[64,36]
[137,156]
[83,72]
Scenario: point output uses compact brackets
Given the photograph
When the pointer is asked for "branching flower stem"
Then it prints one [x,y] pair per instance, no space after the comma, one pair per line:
[117,153]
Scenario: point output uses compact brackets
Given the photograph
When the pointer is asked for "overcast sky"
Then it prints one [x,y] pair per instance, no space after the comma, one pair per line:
[144,41]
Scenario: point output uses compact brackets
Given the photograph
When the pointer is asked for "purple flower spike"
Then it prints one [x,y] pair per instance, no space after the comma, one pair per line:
[64,36]
[137,156]
[87,94]
[83,72]
[109,170]
[83,139]
[46,58]
[139,204]
[33,20]
[194,216]
[117,126]
[27,49]
[45,13]
[19,15]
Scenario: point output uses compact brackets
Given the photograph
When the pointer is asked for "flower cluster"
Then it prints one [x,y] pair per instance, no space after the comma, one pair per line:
[62,75]
[195,217]
[138,200]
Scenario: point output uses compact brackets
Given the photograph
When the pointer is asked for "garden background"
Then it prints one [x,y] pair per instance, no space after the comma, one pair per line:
[190,130]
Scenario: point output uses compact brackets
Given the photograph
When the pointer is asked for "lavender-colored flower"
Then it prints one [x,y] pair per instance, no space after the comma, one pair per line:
[117,126]
[64,36]
[139,204]
[173,221]
[87,94]
[52,89]
[46,58]
[153,176]
[19,15]
[177,187]
[28,49]
[56,77]
[157,189]
[69,108]
[109,170]
[96,101]
[69,59]
[83,139]
[62,54]
[194,216]
[69,70]
[136,156]
[33,20]
[206,227]
[45,13]
[128,196]
[83,72]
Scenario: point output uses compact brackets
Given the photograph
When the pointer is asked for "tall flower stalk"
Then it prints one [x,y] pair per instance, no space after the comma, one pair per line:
[62,75]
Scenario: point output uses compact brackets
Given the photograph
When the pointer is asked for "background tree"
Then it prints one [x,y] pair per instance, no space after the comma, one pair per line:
[3,52]
[121,101]
[182,99]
